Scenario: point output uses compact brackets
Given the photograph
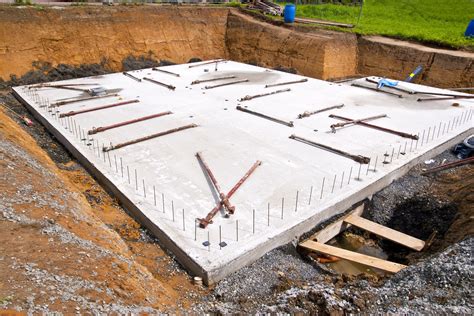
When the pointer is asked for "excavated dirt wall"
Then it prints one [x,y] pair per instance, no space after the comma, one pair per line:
[91,35]
[96,39]
[320,54]
[381,56]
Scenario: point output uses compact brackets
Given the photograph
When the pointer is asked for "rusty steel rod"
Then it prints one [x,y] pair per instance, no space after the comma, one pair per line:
[203,222]
[224,199]
[208,63]
[140,119]
[171,87]
[355,84]
[131,76]
[358,158]
[59,103]
[213,79]
[308,114]
[380,128]
[389,87]
[446,98]
[285,83]
[334,126]
[290,123]
[226,84]
[142,139]
[165,72]
[250,97]
[450,165]
[72,113]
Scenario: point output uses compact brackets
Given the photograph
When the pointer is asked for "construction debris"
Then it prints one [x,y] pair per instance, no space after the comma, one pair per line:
[266,7]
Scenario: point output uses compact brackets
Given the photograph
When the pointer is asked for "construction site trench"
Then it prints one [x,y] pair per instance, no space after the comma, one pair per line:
[90,255]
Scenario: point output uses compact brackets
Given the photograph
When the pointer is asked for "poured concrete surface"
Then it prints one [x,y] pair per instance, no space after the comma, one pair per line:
[292,173]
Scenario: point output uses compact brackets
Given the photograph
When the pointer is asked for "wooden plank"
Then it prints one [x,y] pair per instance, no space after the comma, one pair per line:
[353,256]
[333,229]
[385,232]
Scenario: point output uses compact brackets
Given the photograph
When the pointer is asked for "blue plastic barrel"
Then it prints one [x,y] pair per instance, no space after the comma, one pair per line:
[469,30]
[289,13]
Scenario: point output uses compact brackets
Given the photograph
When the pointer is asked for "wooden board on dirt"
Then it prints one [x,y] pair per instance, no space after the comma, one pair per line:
[373,262]
[385,232]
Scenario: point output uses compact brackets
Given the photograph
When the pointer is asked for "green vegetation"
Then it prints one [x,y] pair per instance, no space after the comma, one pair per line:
[441,22]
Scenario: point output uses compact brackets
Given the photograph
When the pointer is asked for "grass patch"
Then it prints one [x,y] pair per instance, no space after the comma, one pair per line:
[441,22]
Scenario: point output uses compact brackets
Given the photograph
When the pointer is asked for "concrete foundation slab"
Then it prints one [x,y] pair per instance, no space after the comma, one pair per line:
[297,186]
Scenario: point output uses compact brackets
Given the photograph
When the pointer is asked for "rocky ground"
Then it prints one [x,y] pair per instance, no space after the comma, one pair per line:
[66,246]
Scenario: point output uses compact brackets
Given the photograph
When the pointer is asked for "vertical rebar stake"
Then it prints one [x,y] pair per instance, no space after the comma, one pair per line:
[163,199]
[220,237]
[296,204]
[172,208]
[253,221]
[322,188]
[184,223]
[136,180]
[333,183]
[268,215]
[282,205]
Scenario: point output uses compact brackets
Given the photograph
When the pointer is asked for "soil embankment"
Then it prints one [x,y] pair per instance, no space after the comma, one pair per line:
[88,40]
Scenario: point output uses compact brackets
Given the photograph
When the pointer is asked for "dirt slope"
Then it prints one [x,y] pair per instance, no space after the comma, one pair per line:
[60,251]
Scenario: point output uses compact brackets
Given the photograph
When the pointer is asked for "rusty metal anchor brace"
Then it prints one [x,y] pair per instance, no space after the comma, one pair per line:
[358,158]
[446,98]
[131,76]
[290,123]
[224,199]
[250,97]
[140,119]
[203,222]
[171,87]
[308,114]
[285,83]
[208,63]
[389,87]
[165,72]
[142,139]
[350,122]
[72,113]
[355,84]
[59,103]
[213,79]
[380,128]
[226,84]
